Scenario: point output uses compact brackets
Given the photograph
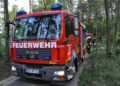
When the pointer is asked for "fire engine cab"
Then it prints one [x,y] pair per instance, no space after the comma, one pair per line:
[46,45]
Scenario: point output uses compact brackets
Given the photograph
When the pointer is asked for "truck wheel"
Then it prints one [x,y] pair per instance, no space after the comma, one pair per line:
[71,72]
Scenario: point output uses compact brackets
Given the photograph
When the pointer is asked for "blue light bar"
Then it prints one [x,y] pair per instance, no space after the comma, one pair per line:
[18,57]
[19,13]
[47,58]
[56,7]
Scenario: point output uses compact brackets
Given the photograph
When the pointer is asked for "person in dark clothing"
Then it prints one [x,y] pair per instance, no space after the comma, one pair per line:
[88,45]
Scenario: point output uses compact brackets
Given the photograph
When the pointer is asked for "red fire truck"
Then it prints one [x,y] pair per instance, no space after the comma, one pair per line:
[46,45]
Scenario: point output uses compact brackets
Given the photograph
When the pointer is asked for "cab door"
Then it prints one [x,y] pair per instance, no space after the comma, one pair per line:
[69,35]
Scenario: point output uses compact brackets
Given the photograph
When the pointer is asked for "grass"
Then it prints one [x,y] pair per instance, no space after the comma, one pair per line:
[102,71]
[5,70]
[5,67]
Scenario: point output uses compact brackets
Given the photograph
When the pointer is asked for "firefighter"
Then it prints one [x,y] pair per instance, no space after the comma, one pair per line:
[88,44]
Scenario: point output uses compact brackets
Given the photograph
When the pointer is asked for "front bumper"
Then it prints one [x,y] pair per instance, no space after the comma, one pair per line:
[46,72]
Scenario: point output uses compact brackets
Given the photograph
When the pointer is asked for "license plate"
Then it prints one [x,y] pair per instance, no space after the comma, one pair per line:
[32,71]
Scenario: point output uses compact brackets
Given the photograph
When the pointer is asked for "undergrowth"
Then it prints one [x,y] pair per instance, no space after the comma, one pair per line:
[102,71]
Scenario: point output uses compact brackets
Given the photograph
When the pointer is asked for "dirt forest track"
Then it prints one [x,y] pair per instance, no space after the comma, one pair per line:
[28,82]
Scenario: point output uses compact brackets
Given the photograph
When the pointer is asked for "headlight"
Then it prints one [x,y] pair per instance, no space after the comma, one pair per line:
[59,73]
[13,68]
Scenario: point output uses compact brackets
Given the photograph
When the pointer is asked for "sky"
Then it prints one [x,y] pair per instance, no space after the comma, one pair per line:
[20,4]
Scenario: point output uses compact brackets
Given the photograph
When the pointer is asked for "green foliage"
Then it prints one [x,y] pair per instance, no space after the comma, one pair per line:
[5,68]
[2,47]
[101,71]
[117,51]
[90,26]
[117,40]
[41,5]
[12,14]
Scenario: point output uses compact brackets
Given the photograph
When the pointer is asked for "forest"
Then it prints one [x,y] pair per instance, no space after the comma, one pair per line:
[101,18]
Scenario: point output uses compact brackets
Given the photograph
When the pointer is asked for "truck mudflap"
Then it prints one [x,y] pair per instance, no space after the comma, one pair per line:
[40,72]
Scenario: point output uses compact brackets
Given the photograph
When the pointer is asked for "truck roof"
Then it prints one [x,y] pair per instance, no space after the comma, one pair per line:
[41,13]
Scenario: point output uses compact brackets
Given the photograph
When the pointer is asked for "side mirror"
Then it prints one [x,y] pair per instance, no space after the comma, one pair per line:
[76,26]
[7,26]
[8,23]
[76,23]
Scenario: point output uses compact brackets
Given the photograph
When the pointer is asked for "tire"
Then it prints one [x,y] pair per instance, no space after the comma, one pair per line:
[71,72]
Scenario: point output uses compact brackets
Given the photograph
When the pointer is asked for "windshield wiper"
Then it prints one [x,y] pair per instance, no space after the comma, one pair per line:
[22,39]
[19,40]
[32,38]
[44,39]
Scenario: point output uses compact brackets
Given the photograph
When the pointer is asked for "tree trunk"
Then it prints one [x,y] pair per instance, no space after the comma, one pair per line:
[6,18]
[65,4]
[108,28]
[80,15]
[30,2]
[71,5]
[111,10]
[45,4]
[117,19]
[96,35]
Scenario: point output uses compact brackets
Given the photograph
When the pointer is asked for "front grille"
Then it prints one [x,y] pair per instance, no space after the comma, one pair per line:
[33,54]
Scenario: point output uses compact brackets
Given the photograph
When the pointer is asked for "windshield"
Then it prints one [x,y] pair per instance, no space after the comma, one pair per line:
[37,28]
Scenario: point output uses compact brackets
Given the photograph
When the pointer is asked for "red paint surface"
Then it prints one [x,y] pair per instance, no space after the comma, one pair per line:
[59,54]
